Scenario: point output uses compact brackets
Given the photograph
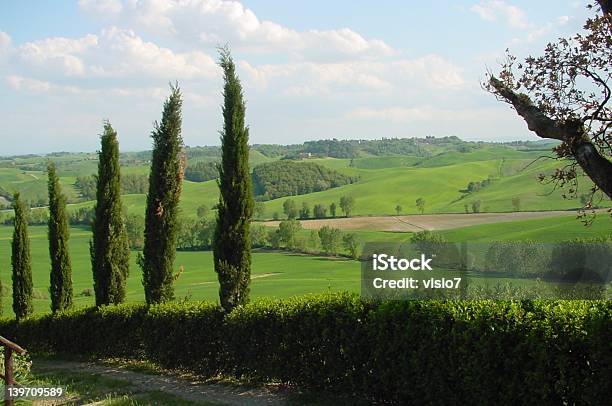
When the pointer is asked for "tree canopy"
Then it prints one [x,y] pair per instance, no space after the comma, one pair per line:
[564,95]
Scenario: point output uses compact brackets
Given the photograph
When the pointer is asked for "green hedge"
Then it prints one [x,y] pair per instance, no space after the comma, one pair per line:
[414,352]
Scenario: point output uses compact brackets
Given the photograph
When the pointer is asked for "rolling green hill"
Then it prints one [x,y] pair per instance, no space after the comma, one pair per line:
[379,191]
[383,181]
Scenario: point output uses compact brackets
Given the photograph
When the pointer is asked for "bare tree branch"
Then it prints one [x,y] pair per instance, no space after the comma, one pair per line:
[598,168]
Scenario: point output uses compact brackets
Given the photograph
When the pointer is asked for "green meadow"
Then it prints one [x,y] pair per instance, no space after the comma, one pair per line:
[275,274]
[550,229]
[382,183]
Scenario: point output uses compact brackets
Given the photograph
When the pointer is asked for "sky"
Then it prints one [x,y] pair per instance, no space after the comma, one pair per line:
[346,69]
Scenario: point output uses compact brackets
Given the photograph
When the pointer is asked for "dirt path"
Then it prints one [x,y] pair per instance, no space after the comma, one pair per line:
[188,389]
[414,223]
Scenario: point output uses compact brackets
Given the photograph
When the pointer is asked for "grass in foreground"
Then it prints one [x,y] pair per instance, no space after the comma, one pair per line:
[86,387]
[275,274]
[83,387]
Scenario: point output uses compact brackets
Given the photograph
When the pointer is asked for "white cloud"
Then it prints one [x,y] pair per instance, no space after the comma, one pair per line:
[393,114]
[318,78]
[5,43]
[61,54]
[436,71]
[536,32]
[20,83]
[215,22]
[428,114]
[130,55]
[116,52]
[492,10]
[101,8]
[562,20]
[513,16]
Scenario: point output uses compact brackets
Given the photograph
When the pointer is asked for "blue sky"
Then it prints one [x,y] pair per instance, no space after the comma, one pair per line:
[310,70]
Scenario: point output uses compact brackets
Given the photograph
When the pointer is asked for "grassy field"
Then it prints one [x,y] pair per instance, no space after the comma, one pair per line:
[545,229]
[379,191]
[275,274]
[383,183]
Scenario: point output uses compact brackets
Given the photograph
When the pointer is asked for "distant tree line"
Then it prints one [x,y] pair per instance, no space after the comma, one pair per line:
[287,178]
[319,211]
[576,260]
[354,148]
[130,184]
[201,171]
[326,240]
[203,152]
[475,186]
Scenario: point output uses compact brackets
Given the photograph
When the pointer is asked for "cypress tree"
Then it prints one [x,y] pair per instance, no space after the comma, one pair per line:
[231,248]
[21,261]
[161,223]
[61,268]
[109,247]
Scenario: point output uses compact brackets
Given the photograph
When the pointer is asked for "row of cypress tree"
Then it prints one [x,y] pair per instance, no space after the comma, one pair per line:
[109,248]
[60,286]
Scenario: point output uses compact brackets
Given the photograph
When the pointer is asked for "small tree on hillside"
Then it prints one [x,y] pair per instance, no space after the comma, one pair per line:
[420,204]
[516,203]
[232,243]
[134,226]
[347,204]
[351,244]
[259,209]
[332,209]
[305,212]
[60,286]
[314,240]
[21,261]
[288,230]
[476,206]
[319,211]
[290,209]
[398,209]
[165,185]
[330,239]
[259,235]
[109,247]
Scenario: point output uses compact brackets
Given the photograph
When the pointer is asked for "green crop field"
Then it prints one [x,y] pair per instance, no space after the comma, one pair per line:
[378,192]
[440,177]
[547,230]
[383,182]
[275,274]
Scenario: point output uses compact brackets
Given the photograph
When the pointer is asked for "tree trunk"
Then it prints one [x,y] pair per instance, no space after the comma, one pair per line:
[597,167]
[606,6]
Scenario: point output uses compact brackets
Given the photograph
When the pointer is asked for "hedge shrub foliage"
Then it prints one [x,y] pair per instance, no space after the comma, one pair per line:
[415,352]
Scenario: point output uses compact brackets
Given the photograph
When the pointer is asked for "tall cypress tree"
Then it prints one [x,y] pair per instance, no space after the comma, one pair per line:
[161,223]
[232,247]
[109,247]
[21,261]
[61,268]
